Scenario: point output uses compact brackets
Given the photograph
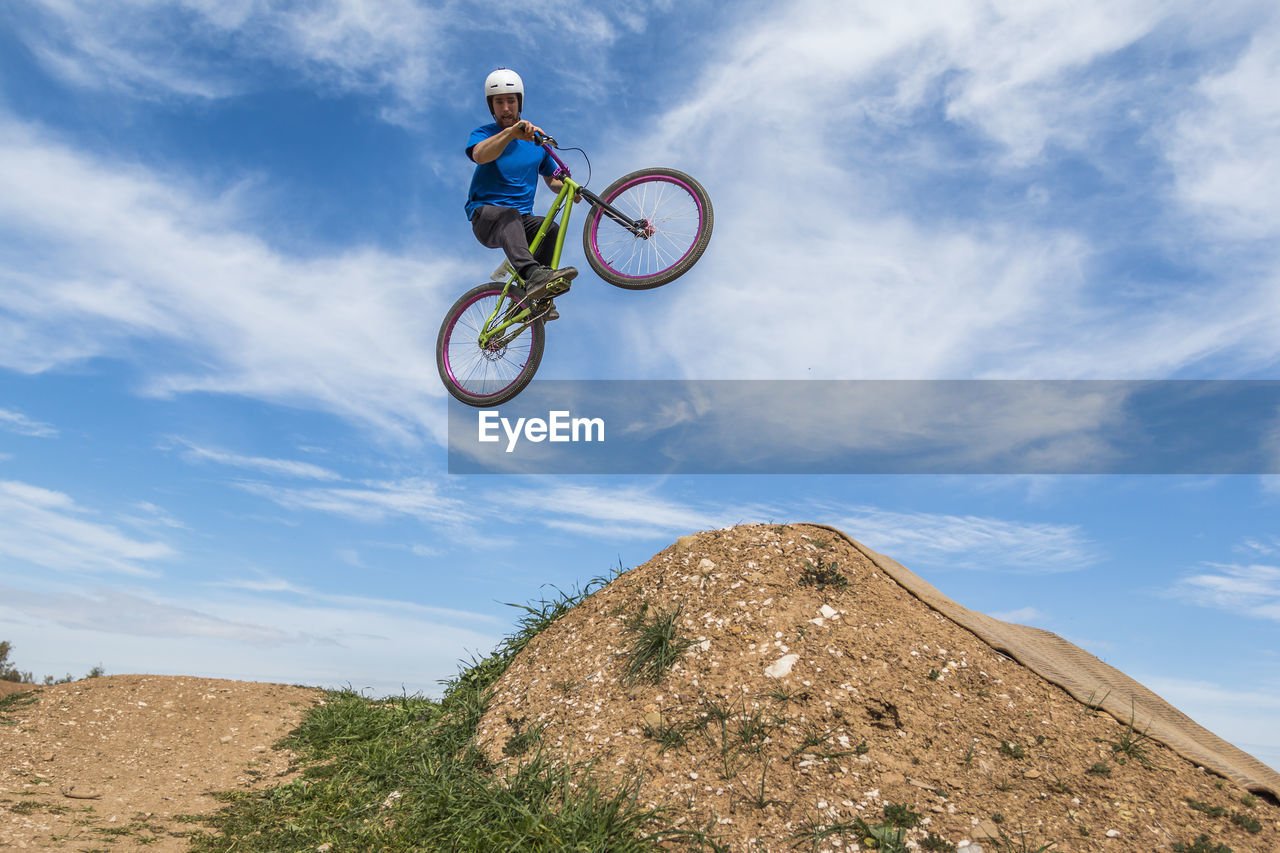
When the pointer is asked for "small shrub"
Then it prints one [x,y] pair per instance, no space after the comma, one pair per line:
[668,736]
[823,575]
[1245,822]
[937,844]
[784,696]
[1201,845]
[1059,785]
[752,731]
[1211,811]
[1012,750]
[813,736]
[901,815]
[1131,744]
[1102,768]
[521,739]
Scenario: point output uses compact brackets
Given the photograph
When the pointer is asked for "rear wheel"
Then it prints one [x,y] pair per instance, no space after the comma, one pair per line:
[675,213]
[493,373]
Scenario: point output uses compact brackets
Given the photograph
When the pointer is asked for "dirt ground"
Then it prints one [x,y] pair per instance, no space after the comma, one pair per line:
[803,705]
[112,763]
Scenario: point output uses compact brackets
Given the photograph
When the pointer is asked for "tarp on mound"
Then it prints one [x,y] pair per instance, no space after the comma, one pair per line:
[1090,681]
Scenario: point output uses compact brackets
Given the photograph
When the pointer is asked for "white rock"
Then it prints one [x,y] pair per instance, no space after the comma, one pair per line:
[1113,833]
[706,564]
[829,611]
[782,666]
[819,621]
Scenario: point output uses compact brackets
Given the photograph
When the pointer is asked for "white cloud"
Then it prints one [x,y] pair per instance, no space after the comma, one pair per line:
[912,427]
[274,637]
[371,501]
[971,542]
[1022,616]
[405,52]
[154,515]
[117,611]
[1252,590]
[182,47]
[22,425]
[866,159]
[134,260]
[309,594]
[1224,145]
[48,530]
[282,467]
[1245,718]
[1263,545]
[628,512]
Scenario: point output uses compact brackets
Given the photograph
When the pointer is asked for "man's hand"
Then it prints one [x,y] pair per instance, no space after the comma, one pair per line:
[492,148]
[527,130]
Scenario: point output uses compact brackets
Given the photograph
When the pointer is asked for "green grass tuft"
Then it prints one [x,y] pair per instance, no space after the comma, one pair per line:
[656,644]
[406,774]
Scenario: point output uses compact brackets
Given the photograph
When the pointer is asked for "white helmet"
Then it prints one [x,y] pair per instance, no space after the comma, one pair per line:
[504,81]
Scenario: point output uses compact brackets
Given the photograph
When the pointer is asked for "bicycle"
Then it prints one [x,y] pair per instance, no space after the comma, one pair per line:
[645,230]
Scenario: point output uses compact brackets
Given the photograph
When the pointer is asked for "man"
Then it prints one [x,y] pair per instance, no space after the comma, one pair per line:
[500,201]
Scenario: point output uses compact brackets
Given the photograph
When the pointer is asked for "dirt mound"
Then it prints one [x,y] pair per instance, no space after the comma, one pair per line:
[8,687]
[110,763]
[818,692]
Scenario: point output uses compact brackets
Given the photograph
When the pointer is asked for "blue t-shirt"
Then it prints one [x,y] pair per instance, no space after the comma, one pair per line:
[512,179]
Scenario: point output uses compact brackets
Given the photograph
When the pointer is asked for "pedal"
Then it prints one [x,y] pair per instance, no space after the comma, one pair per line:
[559,286]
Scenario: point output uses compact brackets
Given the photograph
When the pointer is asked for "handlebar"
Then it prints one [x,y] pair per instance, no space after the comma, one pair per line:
[548,143]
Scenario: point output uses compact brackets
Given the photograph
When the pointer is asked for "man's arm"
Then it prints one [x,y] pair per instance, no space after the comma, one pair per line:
[491,149]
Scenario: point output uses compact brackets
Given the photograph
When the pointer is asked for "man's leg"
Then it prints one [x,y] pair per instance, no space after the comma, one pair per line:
[548,245]
[545,281]
[502,228]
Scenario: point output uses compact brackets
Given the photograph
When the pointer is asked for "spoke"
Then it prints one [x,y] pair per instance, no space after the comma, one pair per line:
[674,217]
[472,367]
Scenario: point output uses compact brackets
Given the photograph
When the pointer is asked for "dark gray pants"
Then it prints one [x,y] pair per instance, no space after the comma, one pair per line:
[507,229]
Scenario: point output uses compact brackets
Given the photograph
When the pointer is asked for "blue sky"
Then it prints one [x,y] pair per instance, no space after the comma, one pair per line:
[228,231]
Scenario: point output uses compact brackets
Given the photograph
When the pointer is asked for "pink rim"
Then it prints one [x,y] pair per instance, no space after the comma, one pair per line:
[596,214]
[448,363]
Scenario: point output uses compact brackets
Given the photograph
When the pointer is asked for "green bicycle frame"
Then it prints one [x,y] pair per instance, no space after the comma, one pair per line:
[501,321]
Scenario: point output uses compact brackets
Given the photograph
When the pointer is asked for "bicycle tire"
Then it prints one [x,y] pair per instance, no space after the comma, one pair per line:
[678,209]
[485,376]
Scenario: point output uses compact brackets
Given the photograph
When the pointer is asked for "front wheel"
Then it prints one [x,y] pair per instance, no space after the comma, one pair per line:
[675,216]
[488,374]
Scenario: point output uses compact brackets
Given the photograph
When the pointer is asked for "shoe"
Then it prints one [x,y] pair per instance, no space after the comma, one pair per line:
[545,281]
[552,313]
